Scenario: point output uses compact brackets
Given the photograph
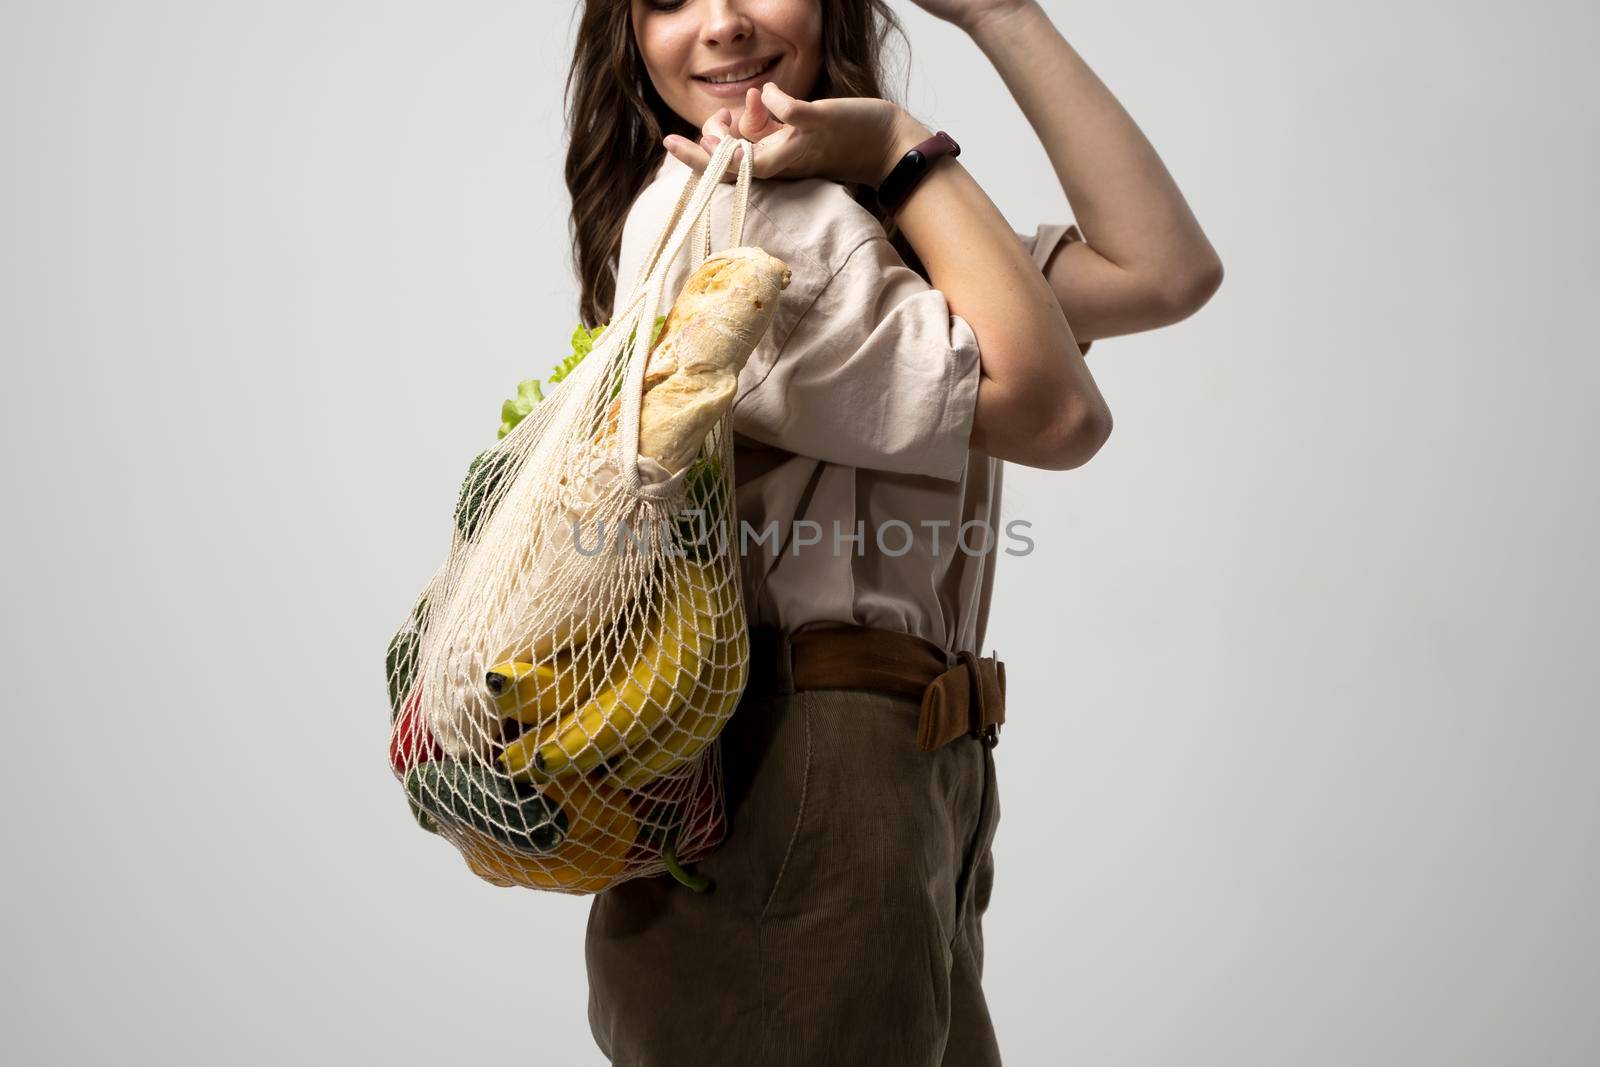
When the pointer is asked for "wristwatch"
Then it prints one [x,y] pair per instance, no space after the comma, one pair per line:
[912,168]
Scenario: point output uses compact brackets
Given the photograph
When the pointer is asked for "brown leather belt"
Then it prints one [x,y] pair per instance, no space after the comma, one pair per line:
[961,693]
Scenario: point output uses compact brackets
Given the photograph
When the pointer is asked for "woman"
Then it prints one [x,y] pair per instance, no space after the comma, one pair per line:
[920,343]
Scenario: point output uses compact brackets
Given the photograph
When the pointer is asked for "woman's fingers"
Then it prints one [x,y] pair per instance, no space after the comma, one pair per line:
[756,118]
[763,123]
[712,131]
[694,156]
[774,153]
[687,152]
[782,106]
[717,126]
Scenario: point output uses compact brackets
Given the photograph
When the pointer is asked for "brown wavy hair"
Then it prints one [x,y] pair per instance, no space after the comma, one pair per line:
[616,120]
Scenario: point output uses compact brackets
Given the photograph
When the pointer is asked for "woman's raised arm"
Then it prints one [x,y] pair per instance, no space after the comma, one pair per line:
[1144,261]
[1038,405]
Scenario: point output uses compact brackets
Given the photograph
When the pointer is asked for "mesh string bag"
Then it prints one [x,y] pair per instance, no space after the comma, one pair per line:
[557,689]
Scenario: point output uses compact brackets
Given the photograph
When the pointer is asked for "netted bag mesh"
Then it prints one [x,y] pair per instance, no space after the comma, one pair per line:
[558,688]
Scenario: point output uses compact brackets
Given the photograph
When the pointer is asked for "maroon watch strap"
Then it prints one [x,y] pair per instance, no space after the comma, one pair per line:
[912,168]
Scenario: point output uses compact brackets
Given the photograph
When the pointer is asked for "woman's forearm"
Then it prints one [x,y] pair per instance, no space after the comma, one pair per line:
[1037,402]
[1127,205]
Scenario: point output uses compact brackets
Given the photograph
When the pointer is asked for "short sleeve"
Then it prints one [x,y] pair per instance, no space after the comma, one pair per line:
[1043,243]
[876,373]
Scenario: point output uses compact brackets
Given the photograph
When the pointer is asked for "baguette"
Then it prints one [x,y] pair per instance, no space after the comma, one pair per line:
[693,370]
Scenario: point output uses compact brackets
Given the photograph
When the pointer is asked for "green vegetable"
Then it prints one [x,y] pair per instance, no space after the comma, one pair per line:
[530,392]
[400,663]
[484,476]
[582,344]
[472,795]
[702,480]
[663,824]
[697,533]
[517,408]
[697,882]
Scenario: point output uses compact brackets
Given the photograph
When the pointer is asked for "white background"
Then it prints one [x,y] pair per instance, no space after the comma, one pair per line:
[1300,767]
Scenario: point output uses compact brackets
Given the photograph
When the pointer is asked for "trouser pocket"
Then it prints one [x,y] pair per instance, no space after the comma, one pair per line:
[977,874]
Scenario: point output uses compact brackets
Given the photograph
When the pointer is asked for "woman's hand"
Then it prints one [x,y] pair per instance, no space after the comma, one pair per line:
[850,139]
[971,14]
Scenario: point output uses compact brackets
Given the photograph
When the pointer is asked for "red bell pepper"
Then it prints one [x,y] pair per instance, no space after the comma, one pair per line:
[410,743]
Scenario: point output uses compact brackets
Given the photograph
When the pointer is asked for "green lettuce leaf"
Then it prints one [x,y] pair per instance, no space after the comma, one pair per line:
[530,392]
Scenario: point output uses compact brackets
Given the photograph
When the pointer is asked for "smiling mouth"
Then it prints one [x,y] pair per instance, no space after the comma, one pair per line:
[754,73]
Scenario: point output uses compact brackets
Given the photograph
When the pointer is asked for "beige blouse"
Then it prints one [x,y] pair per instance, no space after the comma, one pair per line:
[859,500]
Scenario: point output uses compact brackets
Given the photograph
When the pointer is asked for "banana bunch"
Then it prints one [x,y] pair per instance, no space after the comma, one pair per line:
[604,726]
[669,689]
[681,738]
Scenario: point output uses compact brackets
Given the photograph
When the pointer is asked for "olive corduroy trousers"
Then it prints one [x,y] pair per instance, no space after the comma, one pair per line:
[844,926]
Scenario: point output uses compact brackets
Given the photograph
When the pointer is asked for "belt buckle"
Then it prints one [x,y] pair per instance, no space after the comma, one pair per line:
[988,735]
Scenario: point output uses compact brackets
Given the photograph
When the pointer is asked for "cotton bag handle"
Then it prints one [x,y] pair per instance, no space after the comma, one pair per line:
[691,217]
[702,233]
